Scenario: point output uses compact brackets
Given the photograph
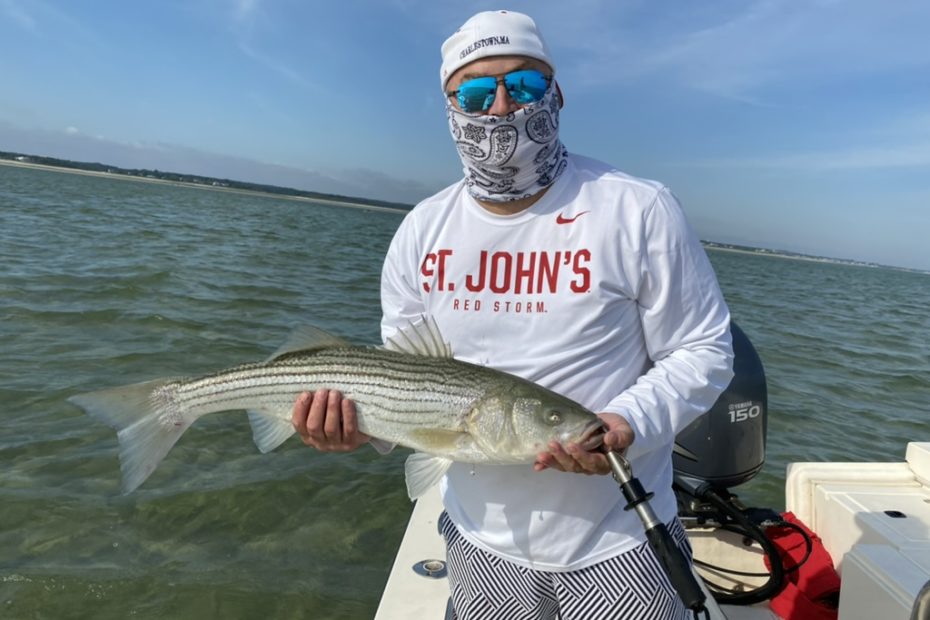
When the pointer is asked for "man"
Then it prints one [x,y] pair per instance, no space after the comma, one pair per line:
[567,272]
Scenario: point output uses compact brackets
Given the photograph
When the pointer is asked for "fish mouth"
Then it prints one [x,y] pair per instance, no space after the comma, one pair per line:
[593,435]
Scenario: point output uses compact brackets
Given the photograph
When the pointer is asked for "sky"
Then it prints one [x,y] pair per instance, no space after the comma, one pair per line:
[799,125]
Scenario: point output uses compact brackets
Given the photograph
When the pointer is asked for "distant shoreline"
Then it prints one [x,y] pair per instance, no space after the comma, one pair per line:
[708,245]
[762,252]
[714,246]
[126,177]
[717,246]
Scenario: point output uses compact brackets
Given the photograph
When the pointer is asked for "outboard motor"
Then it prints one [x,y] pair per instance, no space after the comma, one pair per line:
[726,447]
[723,449]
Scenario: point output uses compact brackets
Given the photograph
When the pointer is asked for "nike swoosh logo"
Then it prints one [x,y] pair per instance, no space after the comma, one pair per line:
[561,219]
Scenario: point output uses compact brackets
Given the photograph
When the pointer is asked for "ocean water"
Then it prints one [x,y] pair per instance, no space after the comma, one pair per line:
[105,282]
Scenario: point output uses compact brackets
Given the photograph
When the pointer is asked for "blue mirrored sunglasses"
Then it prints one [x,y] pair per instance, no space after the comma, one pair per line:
[524,87]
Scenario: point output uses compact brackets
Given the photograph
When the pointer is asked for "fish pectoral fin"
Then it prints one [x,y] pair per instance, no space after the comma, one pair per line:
[422,471]
[381,446]
[307,337]
[269,430]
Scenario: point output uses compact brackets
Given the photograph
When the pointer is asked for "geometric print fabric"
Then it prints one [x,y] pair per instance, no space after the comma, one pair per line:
[631,586]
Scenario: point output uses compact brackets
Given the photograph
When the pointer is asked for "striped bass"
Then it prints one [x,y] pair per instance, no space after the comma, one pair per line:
[410,392]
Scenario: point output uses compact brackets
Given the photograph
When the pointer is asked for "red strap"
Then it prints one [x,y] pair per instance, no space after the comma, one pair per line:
[812,591]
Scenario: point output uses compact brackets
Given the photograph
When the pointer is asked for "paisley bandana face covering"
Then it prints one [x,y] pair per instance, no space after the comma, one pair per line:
[510,157]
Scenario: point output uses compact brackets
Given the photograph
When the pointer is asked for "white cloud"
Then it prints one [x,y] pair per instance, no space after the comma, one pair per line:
[17,13]
[251,25]
[48,22]
[737,49]
[276,66]
[245,9]
[901,142]
[914,155]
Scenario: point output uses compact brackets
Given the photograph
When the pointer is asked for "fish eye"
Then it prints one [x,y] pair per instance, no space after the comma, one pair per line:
[553,417]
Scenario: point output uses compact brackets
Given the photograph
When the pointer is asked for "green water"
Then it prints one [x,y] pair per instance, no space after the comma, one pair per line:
[105,282]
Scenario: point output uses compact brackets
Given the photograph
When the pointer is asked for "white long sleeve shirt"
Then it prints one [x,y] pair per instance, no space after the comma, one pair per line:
[599,291]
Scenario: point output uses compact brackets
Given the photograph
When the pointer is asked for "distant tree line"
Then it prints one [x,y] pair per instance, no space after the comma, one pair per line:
[194,179]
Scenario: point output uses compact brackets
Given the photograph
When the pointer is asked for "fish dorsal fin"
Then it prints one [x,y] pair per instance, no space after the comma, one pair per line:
[307,337]
[420,338]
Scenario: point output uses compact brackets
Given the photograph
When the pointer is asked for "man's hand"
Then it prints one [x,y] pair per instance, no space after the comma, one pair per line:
[571,458]
[327,421]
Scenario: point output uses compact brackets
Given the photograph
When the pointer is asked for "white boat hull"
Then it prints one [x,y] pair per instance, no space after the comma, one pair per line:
[873,518]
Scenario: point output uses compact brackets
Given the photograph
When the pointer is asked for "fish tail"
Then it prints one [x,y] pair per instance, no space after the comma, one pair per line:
[149,419]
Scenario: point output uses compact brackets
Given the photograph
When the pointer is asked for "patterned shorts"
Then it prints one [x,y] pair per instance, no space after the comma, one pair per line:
[630,586]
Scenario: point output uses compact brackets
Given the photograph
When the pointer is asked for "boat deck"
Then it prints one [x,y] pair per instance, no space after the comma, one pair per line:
[873,518]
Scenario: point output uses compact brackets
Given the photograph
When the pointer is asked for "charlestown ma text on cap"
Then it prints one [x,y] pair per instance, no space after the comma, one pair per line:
[492,33]
[500,40]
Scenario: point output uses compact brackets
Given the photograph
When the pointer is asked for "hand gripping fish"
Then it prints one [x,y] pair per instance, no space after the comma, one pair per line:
[409,392]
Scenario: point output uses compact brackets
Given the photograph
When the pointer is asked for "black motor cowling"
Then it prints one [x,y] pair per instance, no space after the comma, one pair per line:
[726,447]
[722,449]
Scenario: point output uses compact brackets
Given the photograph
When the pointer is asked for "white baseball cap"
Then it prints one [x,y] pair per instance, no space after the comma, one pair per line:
[492,33]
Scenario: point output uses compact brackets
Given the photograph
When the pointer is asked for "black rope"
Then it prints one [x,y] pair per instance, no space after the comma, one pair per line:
[734,520]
